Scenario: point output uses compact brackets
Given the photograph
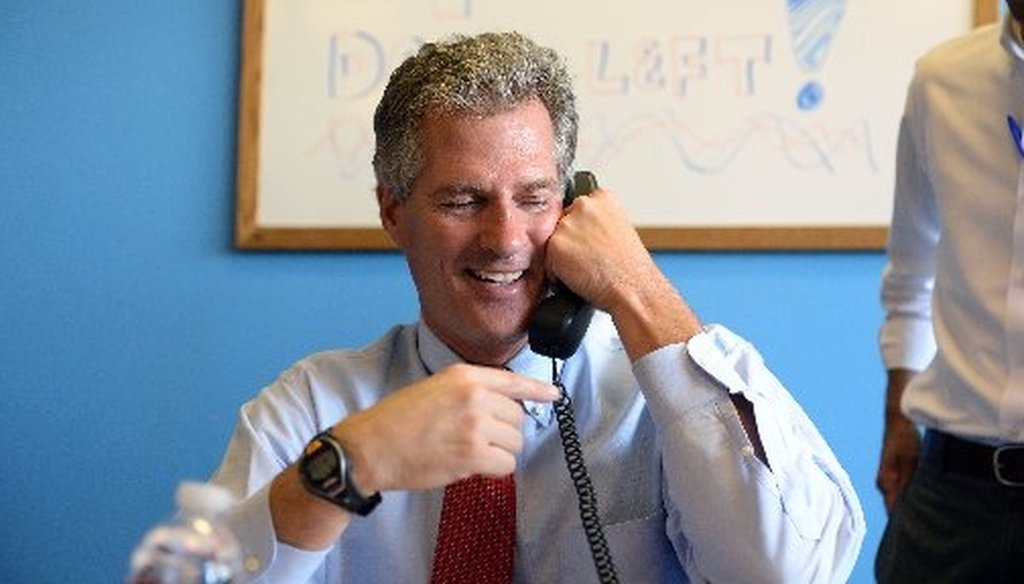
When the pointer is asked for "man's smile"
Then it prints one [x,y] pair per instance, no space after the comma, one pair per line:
[497,277]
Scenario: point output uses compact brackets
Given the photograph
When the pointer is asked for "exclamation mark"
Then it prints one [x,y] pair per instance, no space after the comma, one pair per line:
[813,25]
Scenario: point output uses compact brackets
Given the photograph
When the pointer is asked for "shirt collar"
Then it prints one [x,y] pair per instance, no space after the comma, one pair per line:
[435,356]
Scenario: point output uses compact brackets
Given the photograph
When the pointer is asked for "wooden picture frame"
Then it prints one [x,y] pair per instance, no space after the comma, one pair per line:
[987,11]
[254,232]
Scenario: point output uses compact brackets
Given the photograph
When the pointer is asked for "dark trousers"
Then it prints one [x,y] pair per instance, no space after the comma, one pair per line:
[952,527]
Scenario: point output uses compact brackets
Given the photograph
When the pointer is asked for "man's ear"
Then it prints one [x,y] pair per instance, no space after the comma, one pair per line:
[387,206]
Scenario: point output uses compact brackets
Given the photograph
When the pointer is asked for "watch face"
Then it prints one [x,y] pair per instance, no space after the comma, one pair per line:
[321,466]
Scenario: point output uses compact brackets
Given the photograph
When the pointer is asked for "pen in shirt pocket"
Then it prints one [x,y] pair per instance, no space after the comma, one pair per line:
[1015,134]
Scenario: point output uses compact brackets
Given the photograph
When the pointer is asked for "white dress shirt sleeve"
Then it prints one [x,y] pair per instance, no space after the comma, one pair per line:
[906,338]
[253,459]
[796,519]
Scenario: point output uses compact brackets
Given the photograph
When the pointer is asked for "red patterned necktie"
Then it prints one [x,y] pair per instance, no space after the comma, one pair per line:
[476,541]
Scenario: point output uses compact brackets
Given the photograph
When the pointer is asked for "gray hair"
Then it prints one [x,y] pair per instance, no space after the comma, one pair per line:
[478,75]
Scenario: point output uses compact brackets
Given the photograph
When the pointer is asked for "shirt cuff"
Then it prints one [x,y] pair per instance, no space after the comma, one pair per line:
[908,344]
[263,557]
[703,364]
[292,564]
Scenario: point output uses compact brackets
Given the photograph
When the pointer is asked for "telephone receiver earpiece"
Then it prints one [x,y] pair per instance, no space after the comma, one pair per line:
[583,183]
[558,324]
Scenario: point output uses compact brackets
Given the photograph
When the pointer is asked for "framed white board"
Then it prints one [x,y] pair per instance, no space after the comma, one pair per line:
[734,124]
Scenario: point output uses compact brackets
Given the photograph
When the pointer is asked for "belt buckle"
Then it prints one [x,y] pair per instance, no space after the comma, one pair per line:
[1011,478]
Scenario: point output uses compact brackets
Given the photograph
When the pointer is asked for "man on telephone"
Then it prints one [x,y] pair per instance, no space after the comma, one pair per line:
[689,460]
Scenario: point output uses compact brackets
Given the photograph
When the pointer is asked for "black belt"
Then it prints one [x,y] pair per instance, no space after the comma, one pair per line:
[1003,464]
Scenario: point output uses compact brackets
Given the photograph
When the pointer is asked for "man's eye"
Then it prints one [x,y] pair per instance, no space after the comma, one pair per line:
[460,204]
[535,203]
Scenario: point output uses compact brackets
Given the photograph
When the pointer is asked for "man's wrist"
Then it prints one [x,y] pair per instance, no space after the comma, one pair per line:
[325,472]
[359,462]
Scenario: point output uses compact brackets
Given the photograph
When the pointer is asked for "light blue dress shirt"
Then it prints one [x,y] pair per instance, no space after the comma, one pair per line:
[681,493]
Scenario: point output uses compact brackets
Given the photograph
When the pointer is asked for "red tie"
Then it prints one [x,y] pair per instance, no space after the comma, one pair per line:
[477,538]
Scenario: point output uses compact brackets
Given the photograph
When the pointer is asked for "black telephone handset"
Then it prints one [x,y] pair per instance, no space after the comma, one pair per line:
[561,319]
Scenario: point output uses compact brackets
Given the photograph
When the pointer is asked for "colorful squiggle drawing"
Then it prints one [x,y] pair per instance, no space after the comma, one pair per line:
[801,148]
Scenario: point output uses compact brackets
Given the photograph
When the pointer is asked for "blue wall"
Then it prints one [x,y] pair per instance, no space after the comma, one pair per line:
[130,330]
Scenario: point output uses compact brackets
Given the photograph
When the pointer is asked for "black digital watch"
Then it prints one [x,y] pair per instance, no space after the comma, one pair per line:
[325,473]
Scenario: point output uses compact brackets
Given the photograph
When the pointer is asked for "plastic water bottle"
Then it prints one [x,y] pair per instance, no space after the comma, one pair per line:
[193,547]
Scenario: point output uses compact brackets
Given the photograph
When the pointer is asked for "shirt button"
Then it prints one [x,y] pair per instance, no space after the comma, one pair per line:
[252,564]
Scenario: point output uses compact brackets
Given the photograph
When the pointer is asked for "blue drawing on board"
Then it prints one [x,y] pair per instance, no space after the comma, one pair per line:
[810,95]
[804,149]
[813,25]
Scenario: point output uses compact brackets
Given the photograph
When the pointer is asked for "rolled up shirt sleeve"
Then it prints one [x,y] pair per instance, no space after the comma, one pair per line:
[906,339]
[796,519]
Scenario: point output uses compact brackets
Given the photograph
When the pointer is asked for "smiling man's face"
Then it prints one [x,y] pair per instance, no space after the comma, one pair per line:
[475,226]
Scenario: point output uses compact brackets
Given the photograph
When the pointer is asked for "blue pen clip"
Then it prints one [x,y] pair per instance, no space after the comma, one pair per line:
[1015,134]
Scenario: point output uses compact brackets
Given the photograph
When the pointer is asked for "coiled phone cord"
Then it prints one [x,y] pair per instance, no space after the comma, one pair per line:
[581,480]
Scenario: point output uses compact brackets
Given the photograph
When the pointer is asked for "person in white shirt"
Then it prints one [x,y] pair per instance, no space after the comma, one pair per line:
[704,467]
[953,337]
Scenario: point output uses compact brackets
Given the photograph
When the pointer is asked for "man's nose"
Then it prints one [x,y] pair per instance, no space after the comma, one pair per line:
[504,230]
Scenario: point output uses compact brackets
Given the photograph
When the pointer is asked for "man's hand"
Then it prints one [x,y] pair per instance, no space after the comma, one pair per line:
[901,442]
[597,253]
[901,447]
[462,421]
